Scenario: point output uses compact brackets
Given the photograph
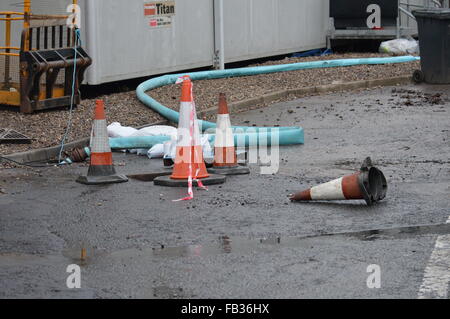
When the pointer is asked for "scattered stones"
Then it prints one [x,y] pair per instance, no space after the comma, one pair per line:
[416,98]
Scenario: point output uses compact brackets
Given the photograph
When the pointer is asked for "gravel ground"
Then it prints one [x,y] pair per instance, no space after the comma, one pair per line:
[47,127]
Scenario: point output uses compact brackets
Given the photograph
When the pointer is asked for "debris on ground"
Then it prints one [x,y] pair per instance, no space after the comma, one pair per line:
[415,98]
[400,46]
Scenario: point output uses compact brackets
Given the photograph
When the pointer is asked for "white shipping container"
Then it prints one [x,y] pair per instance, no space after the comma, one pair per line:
[124,46]
[125,41]
[260,28]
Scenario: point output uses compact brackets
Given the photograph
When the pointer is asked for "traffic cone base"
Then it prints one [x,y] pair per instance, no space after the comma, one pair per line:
[368,184]
[212,179]
[228,166]
[97,180]
[235,170]
[101,169]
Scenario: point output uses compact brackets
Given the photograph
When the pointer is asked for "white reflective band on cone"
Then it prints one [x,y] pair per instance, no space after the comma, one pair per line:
[184,135]
[99,140]
[224,133]
[330,190]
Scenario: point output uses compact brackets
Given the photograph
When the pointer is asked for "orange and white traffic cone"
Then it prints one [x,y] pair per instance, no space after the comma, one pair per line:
[101,168]
[189,164]
[368,184]
[225,159]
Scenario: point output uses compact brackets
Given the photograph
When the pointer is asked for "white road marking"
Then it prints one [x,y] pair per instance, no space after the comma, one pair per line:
[437,273]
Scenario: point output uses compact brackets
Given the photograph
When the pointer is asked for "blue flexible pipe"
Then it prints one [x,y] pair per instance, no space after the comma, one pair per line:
[249,138]
[173,116]
[287,135]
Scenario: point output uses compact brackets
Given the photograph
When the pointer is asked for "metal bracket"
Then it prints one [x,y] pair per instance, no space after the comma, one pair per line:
[216,60]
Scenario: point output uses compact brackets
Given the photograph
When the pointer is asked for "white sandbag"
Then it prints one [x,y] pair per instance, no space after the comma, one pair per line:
[400,46]
[116,130]
[169,148]
[207,150]
[157,151]
[156,130]
[142,151]
[138,151]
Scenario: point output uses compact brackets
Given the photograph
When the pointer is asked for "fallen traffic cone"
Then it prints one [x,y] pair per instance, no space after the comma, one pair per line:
[368,184]
[189,164]
[225,159]
[101,168]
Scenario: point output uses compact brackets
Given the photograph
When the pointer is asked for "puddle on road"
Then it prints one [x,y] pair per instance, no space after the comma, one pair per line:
[240,245]
[23,259]
[397,232]
[221,245]
[83,254]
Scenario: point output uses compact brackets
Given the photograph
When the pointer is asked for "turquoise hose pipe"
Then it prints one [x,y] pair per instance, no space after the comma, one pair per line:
[249,138]
[136,142]
[285,138]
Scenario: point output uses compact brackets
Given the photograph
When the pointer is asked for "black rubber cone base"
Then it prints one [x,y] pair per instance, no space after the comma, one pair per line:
[372,183]
[235,170]
[148,177]
[98,180]
[213,179]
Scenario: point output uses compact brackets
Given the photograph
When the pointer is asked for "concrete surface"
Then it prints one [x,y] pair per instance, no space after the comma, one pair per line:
[244,239]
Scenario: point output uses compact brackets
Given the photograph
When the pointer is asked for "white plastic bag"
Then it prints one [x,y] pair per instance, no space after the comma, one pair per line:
[156,130]
[169,148]
[400,46]
[157,151]
[207,151]
[140,151]
[116,130]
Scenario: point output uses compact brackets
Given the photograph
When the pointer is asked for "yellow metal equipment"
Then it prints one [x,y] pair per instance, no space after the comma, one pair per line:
[47,46]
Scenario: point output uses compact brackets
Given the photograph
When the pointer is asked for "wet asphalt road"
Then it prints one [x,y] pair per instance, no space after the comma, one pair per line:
[244,239]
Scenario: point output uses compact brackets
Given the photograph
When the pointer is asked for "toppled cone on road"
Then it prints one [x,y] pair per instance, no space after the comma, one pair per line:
[101,168]
[225,158]
[368,184]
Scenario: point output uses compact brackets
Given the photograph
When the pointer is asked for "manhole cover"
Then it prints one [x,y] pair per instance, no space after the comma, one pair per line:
[8,136]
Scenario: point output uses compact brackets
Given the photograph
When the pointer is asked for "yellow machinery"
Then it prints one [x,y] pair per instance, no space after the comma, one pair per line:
[47,46]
